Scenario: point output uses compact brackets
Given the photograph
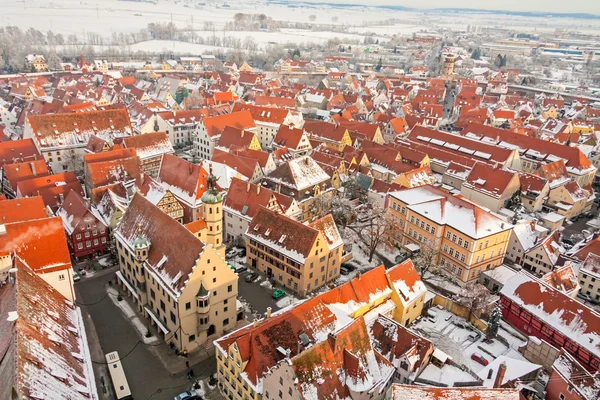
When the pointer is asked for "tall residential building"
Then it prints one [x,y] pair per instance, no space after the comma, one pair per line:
[180,283]
[465,238]
[300,257]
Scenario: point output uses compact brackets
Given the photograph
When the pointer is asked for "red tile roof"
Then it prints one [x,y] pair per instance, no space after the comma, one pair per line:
[112,155]
[76,216]
[240,120]
[180,247]
[244,165]
[235,137]
[489,180]
[185,180]
[149,145]
[282,102]
[16,151]
[406,392]
[25,209]
[184,117]
[15,173]
[52,187]
[41,243]
[288,137]
[325,130]
[54,130]
[247,198]
[45,353]
[108,172]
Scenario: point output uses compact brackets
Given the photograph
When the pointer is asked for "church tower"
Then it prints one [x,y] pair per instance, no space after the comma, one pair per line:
[448,67]
[212,210]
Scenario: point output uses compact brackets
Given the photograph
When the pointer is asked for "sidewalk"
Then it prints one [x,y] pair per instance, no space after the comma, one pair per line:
[172,362]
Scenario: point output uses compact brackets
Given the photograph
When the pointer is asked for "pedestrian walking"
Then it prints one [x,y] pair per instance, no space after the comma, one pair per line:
[187,364]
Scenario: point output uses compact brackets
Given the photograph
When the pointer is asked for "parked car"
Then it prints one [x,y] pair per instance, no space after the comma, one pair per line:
[479,358]
[242,252]
[349,266]
[584,296]
[241,269]
[344,271]
[252,277]
[278,294]
[474,336]
[231,253]
[76,276]
[432,315]
[187,395]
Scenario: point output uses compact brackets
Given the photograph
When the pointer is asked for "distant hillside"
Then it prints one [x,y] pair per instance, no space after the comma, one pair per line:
[532,14]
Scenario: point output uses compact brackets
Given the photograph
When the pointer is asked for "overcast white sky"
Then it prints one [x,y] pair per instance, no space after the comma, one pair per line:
[571,6]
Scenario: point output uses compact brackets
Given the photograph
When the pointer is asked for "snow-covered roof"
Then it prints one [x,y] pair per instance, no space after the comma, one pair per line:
[515,369]
[576,321]
[43,343]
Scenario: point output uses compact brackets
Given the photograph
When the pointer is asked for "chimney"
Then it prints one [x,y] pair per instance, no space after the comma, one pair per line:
[61,198]
[248,187]
[500,376]
[191,168]
[33,171]
[268,312]
[257,189]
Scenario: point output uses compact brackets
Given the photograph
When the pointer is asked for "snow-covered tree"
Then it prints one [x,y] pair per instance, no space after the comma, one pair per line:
[373,232]
[493,324]
[473,296]
[426,260]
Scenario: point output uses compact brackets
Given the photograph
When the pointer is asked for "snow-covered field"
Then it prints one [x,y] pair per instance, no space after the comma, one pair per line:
[113,16]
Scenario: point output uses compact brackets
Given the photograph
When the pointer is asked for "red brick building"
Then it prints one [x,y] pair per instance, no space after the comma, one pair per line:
[87,235]
[538,309]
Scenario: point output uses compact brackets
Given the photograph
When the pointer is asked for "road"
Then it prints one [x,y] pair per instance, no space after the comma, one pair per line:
[147,377]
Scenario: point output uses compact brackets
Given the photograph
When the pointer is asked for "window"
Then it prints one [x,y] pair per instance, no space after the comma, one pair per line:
[460,241]
[230,288]
[191,338]
[226,322]
[432,230]
[466,245]
[173,319]
[188,305]
[79,246]
[61,277]
[78,236]
[453,238]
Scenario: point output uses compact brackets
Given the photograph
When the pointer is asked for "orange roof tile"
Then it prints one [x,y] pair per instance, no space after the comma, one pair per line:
[25,209]
[240,120]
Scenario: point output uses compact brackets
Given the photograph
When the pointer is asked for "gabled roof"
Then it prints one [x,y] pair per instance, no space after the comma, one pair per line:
[235,137]
[531,183]
[406,281]
[326,225]
[184,117]
[185,180]
[261,114]
[15,151]
[285,234]
[393,340]
[107,172]
[15,173]
[76,215]
[406,392]
[325,130]
[50,187]
[43,344]
[283,102]
[288,137]
[24,209]
[240,120]
[41,243]
[75,129]
[247,198]
[486,179]
[300,173]
[173,249]
[149,145]
[112,155]
[454,211]
[578,378]
[576,161]
[243,165]
[555,172]
[96,144]
[572,319]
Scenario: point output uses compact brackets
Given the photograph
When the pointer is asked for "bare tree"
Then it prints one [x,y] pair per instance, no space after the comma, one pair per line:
[373,232]
[73,161]
[473,296]
[426,260]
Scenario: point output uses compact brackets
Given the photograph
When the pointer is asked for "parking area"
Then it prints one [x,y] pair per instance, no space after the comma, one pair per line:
[460,340]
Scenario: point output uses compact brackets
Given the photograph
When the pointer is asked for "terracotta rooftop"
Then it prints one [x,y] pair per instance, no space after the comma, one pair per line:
[179,248]
[240,120]
[489,180]
[41,243]
[44,347]
[235,137]
[75,214]
[15,173]
[15,151]
[288,137]
[406,392]
[108,172]
[24,209]
[149,145]
[112,155]
[50,187]
[185,180]
[75,129]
